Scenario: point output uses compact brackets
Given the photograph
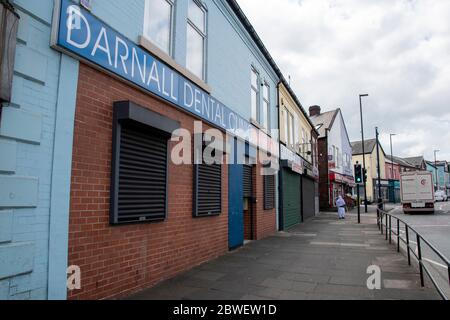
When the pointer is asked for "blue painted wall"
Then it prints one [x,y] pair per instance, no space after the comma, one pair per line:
[231,53]
[36,134]
[36,131]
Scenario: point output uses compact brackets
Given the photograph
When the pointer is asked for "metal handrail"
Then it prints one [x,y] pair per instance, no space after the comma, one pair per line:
[383,215]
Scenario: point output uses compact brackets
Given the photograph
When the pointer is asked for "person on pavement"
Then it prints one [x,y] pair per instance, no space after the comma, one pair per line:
[340,203]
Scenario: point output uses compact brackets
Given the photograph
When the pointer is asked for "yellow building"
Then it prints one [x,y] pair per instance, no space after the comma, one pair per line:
[296,130]
[298,179]
[370,149]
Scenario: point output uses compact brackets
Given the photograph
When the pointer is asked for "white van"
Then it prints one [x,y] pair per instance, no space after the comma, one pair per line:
[417,191]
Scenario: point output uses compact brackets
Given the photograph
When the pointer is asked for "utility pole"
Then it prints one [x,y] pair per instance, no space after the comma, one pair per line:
[436,169]
[380,201]
[364,153]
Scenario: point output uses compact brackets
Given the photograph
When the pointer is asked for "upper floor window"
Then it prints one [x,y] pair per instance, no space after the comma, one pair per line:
[255,94]
[196,39]
[291,129]
[158,23]
[265,106]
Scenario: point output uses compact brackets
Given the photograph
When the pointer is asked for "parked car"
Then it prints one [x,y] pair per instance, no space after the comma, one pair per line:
[440,196]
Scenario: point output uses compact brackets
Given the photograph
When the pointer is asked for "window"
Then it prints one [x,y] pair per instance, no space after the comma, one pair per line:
[269,192]
[255,95]
[139,164]
[196,39]
[265,106]
[158,23]
[207,189]
[291,129]
[286,125]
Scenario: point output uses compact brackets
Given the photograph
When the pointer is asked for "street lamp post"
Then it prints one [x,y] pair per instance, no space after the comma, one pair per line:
[392,164]
[436,169]
[380,201]
[364,153]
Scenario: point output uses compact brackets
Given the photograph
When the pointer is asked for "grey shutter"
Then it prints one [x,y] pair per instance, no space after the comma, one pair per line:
[269,192]
[142,177]
[207,190]
[248,181]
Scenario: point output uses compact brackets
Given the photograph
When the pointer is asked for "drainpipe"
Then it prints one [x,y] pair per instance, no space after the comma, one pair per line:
[280,174]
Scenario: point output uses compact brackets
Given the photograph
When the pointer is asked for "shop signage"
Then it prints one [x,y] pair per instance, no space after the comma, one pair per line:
[294,160]
[79,33]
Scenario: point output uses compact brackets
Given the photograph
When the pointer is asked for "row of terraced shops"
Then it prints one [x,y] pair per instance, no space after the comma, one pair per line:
[155,160]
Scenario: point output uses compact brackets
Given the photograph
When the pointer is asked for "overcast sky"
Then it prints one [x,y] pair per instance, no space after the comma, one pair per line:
[398,51]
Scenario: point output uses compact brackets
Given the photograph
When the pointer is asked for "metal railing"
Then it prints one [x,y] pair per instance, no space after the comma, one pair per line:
[391,232]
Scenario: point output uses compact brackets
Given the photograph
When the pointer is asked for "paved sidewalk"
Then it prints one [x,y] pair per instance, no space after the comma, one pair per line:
[322,259]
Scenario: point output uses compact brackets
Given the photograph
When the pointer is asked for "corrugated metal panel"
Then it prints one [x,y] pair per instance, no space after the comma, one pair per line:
[142,176]
[269,192]
[208,191]
[291,199]
[309,198]
[248,181]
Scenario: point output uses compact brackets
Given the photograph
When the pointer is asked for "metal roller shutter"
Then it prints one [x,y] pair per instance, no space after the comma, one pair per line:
[248,181]
[142,177]
[309,198]
[269,192]
[208,190]
[291,199]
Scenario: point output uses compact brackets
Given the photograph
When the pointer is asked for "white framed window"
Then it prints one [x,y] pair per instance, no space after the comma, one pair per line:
[158,23]
[291,130]
[296,133]
[265,106]
[255,95]
[196,39]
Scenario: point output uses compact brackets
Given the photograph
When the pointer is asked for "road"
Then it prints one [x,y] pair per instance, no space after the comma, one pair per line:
[436,230]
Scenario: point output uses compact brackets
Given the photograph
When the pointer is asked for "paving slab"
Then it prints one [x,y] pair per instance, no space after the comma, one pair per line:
[322,259]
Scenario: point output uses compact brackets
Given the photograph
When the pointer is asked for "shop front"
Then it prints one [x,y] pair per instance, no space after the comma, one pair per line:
[309,186]
[340,185]
[291,199]
[146,204]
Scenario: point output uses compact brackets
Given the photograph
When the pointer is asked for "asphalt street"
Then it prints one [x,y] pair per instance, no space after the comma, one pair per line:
[435,228]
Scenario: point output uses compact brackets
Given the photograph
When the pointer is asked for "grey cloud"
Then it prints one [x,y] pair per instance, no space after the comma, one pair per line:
[395,50]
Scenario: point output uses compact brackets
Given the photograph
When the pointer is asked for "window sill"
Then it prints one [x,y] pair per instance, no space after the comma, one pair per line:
[257,125]
[164,57]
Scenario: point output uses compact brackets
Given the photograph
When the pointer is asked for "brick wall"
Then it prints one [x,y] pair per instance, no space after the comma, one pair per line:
[120,260]
[265,220]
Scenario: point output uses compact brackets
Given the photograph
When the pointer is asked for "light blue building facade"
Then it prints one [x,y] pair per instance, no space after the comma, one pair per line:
[36,134]
[36,128]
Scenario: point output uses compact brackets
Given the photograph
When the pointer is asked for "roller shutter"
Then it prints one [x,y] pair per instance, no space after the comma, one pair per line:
[207,190]
[248,181]
[269,192]
[142,176]
[309,198]
[291,199]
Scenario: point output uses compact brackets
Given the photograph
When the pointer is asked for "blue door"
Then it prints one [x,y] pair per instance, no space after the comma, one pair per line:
[235,205]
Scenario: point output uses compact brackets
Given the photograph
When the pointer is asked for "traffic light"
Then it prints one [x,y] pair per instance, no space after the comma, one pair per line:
[358,173]
[365,175]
